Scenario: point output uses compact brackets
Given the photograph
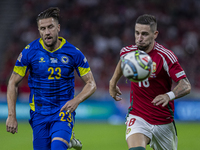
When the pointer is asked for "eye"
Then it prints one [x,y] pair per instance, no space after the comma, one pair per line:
[51,26]
[42,28]
[145,33]
[136,32]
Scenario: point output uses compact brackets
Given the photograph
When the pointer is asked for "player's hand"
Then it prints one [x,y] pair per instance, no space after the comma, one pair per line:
[115,92]
[161,99]
[70,106]
[11,125]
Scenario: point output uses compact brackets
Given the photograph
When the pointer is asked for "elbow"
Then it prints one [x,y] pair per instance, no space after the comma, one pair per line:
[189,88]
[94,87]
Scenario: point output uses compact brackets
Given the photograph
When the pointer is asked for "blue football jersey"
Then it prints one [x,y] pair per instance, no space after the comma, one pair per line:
[51,78]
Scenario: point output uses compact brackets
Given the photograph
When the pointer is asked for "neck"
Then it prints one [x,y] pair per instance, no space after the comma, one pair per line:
[54,46]
[150,47]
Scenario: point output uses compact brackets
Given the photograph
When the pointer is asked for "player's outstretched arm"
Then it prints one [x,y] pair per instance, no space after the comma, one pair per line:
[11,122]
[183,88]
[113,88]
[87,91]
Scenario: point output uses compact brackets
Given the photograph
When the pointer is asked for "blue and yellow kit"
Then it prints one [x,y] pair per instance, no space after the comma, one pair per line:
[51,78]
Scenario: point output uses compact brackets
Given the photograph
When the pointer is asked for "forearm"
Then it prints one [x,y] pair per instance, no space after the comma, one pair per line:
[183,88]
[117,75]
[87,91]
[12,91]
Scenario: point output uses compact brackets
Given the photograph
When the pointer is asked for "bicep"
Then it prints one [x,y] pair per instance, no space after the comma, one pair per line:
[15,79]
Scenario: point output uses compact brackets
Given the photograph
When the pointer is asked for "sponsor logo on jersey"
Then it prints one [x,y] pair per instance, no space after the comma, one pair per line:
[54,60]
[19,57]
[41,60]
[178,75]
[64,59]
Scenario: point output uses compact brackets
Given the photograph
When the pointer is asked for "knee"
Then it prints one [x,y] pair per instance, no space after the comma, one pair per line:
[137,148]
[59,143]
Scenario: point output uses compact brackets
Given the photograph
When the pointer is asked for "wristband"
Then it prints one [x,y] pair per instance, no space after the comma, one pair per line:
[171,95]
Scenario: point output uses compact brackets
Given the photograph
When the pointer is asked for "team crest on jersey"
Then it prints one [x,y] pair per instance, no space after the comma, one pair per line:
[42,60]
[19,57]
[153,74]
[128,130]
[64,59]
[154,67]
[53,60]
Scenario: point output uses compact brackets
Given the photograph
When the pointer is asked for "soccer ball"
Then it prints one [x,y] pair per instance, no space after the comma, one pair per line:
[136,65]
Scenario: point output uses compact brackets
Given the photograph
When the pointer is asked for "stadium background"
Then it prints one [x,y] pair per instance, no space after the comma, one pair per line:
[100,28]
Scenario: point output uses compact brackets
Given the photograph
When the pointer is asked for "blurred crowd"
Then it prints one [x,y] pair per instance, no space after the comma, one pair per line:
[100,28]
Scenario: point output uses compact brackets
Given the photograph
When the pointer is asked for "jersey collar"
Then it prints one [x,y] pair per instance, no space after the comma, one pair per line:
[63,41]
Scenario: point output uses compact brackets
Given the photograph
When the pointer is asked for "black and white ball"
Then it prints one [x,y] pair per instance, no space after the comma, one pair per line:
[136,65]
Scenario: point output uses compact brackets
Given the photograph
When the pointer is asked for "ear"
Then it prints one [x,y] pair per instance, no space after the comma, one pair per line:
[58,28]
[155,34]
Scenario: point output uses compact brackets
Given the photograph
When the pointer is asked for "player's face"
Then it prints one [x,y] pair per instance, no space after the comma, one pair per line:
[49,29]
[144,37]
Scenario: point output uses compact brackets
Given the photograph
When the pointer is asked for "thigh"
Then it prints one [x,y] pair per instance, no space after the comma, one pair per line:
[138,132]
[41,137]
[164,137]
[137,139]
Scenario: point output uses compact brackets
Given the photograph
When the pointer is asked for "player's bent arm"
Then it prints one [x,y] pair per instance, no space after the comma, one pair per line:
[183,88]
[117,75]
[113,88]
[88,89]
[12,89]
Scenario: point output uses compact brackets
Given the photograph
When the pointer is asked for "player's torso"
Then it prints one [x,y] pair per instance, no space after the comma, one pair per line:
[51,78]
[142,93]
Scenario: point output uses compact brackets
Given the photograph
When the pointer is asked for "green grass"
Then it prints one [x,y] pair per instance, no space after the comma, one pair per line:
[98,137]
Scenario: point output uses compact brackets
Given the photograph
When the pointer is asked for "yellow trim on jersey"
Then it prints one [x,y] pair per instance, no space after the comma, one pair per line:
[20,70]
[83,71]
[63,41]
[32,105]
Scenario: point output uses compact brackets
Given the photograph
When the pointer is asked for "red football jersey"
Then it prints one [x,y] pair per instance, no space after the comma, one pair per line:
[165,69]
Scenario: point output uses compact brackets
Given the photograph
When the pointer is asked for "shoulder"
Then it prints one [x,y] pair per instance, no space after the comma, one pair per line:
[71,49]
[33,45]
[128,49]
[165,53]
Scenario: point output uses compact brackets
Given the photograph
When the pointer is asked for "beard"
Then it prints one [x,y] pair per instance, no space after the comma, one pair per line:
[51,44]
[145,47]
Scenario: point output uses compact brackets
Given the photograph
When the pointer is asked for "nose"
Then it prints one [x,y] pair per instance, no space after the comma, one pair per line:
[140,38]
[47,31]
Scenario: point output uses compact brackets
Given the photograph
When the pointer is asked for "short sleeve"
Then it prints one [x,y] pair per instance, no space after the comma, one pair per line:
[81,64]
[22,64]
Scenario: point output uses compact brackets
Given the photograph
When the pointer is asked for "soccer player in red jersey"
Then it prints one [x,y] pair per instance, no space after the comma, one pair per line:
[150,115]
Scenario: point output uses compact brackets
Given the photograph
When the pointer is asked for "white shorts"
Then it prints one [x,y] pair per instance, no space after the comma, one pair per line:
[163,137]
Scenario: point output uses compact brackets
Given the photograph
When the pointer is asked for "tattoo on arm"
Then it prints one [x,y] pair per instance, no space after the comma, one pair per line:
[183,88]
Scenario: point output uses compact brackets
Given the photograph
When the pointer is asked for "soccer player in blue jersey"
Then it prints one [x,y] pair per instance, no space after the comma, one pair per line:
[51,61]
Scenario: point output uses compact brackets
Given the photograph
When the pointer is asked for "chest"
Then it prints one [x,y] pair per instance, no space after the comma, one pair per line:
[52,65]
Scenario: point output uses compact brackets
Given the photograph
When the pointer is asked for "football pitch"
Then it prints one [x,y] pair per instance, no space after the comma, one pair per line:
[97,136]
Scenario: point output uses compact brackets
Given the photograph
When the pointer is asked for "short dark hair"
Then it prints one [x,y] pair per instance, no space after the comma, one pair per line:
[53,12]
[148,20]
